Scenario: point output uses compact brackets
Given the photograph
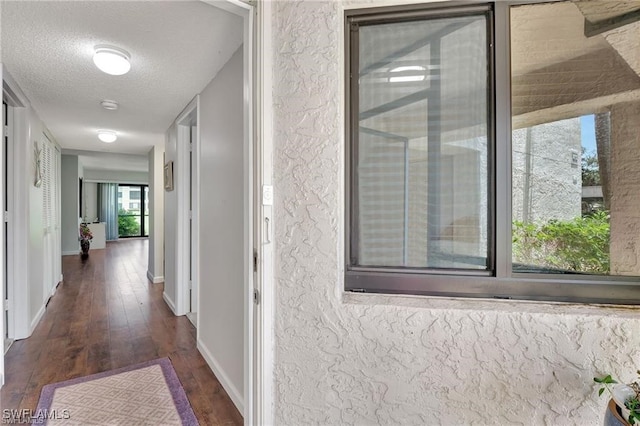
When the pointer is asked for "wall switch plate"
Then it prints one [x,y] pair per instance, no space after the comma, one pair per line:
[267,195]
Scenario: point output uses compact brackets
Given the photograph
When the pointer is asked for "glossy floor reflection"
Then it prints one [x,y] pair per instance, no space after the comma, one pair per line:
[106,315]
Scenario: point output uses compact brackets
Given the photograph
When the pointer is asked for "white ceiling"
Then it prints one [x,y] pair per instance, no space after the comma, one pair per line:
[176,48]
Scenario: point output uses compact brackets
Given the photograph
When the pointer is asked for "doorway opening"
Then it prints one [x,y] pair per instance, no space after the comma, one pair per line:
[188,143]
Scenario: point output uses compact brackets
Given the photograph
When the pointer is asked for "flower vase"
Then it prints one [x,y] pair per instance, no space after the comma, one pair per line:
[84,245]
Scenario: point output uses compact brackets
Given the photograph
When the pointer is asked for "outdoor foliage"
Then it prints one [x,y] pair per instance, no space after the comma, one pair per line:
[590,169]
[127,225]
[580,245]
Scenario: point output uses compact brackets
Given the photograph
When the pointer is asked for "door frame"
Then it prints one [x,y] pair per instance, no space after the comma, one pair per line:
[258,153]
[264,336]
[20,156]
[3,238]
[187,259]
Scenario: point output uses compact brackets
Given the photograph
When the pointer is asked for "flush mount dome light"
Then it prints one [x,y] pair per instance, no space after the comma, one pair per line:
[408,73]
[111,60]
[110,105]
[107,136]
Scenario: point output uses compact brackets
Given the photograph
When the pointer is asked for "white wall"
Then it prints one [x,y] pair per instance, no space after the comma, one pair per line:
[116,176]
[70,199]
[155,269]
[221,315]
[89,201]
[170,223]
[364,359]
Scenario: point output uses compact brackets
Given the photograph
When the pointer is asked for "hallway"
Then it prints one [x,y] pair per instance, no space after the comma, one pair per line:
[106,315]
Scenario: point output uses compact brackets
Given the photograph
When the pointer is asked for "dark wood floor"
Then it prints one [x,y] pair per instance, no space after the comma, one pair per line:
[107,315]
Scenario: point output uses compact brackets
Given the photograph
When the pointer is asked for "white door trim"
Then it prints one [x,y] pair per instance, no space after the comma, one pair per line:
[195,219]
[185,247]
[264,333]
[21,158]
[2,240]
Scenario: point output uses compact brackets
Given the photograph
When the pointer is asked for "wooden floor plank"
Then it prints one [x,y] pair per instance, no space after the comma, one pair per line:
[107,315]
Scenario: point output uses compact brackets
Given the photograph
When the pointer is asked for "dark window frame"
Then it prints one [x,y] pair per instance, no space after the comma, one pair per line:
[501,282]
[144,233]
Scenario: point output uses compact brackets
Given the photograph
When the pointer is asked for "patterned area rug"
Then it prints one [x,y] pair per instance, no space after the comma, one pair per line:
[142,394]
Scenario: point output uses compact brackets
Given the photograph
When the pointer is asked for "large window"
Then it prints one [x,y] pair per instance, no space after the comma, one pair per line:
[482,153]
[133,212]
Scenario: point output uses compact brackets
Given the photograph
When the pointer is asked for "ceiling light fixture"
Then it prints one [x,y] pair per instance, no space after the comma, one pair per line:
[110,105]
[112,60]
[107,136]
[408,77]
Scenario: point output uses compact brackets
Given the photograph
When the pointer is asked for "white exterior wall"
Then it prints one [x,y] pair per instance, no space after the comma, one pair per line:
[551,187]
[364,359]
[625,187]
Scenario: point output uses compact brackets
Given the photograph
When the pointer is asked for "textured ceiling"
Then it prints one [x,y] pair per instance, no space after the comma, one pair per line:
[176,48]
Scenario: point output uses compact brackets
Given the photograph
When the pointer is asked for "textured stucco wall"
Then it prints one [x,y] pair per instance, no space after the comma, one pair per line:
[625,188]
[550,186]
[363,359]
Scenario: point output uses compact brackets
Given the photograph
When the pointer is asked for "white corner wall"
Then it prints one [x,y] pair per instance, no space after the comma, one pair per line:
[363,359]
[89,201]
[70,198]
[170,222]
[222,203]
[155,270]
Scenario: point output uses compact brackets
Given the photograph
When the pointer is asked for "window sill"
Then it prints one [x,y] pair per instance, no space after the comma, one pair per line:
[489,305]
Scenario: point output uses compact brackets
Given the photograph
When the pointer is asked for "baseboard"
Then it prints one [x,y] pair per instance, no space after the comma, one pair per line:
[71,253]
[154,280]
[169,302]
[36,320]
[236,397]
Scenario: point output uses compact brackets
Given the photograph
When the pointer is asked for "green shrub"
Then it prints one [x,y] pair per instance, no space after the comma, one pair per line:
[580,245]
[127,225]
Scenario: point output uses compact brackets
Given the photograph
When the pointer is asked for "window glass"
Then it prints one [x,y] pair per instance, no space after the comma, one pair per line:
[472,176]
[422,144]
[574,144]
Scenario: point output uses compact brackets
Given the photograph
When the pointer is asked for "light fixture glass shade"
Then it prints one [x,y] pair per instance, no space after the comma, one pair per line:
[408,73]
[110,105]
[107,136]
[111,60]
